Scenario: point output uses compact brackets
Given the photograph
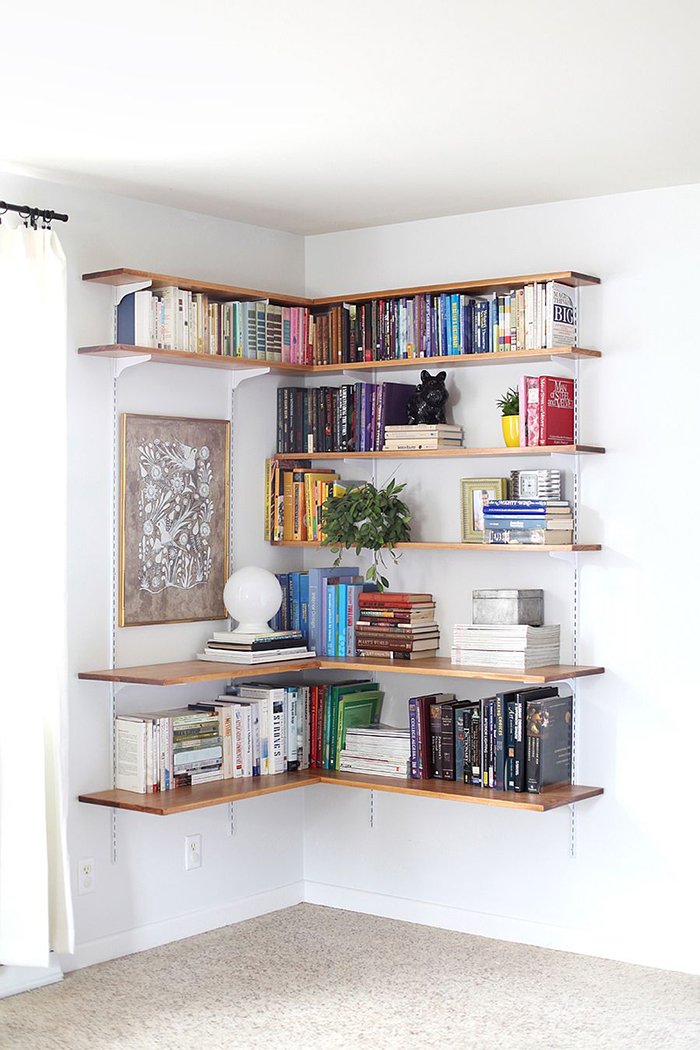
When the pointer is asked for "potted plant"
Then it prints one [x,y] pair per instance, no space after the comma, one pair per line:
[509,405]
[367,518]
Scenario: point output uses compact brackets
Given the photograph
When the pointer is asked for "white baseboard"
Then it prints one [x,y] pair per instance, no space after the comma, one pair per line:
[180,926]
[16,979]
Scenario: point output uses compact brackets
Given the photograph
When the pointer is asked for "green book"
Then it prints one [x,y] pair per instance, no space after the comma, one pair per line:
[356,709]
[330,719]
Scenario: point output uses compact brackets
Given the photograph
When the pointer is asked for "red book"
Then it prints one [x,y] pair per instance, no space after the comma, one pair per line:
[556,410]
[393,598]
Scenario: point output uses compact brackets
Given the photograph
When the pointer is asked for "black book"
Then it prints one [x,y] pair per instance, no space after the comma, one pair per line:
[447,730]
[515,732]
[548,742]
[259,647]
[436,739]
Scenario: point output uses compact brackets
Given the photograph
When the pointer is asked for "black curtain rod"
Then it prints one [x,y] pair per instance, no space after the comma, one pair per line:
[32,213]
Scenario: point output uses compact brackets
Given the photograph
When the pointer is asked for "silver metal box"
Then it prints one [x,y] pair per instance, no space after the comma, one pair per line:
[508,606]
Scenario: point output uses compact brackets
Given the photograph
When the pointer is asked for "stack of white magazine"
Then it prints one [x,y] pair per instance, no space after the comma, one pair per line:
[381,750]
[516,646]
[271,647]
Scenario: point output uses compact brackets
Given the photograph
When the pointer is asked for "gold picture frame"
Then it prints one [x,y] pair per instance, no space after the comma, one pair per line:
[174,513]
[473,499]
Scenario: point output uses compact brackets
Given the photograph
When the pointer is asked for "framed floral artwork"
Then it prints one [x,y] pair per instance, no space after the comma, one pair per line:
[174,519]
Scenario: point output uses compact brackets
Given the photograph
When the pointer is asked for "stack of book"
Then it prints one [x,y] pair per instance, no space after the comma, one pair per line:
[422,435]
[547,410]
[323,604]
[542,521]
[240,648]
[516,646]
[514,741]
[379,749]
[349,418]
[397,626]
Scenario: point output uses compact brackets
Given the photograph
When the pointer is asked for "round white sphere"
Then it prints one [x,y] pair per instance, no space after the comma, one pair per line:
[252,596]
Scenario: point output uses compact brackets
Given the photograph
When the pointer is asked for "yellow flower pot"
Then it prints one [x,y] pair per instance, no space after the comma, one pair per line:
[511,430]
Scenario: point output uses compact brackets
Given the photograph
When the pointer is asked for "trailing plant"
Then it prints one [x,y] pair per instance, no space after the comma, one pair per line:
[367,518]
[509,404]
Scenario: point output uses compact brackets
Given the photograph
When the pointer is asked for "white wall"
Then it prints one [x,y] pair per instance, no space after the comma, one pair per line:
[147,897]
[631,891]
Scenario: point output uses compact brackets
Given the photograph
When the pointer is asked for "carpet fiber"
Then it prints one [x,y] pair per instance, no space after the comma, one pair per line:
[335,980]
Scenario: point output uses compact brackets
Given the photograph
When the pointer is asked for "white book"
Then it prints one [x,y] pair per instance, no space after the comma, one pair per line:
[207,776]
[277,656]
[561,315]
[131,755]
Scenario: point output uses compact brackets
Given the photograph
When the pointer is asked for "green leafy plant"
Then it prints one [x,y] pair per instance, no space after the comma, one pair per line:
[509,404]
[367,518]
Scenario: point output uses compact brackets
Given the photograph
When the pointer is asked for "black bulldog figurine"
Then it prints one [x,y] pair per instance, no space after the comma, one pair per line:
[427,405]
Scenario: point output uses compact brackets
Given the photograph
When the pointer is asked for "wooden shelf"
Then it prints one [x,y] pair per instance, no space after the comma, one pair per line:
[451,453]
[126,275]
[182,800]
[187,357]
[441,666]
[532,548]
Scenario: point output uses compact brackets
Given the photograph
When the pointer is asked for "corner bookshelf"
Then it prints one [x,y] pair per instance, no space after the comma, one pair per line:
[194,671]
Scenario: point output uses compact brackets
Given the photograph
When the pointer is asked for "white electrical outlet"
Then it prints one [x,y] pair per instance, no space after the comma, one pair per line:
[193,852]
[86,876]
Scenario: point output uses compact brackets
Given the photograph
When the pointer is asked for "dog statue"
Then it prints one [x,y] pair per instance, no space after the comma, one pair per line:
[427,405]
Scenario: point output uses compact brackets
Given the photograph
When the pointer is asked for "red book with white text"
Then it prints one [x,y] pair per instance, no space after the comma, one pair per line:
[556,410]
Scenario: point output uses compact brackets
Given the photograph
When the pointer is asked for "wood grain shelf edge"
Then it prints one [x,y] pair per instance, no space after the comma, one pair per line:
[182,800]
[532,548]
[451,453]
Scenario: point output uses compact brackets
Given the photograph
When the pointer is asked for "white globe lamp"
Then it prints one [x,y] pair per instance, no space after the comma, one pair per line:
[252,597]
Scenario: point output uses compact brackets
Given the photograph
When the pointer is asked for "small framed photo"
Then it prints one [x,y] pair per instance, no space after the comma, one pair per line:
[476,493]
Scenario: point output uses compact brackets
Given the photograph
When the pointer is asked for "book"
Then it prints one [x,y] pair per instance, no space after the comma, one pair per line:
[556,410]
[549,735]
[561,319]
[275,656]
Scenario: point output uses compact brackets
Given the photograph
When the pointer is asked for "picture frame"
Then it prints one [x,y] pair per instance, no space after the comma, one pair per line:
[475,493]
[174,513]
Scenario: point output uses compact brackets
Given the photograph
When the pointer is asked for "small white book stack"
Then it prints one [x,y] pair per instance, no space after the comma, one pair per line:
[407,438]
[517,646]
[234,647]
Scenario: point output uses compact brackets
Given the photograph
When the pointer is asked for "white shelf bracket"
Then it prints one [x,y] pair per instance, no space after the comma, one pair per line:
[358,377]
[122,290]
[120,364]
[239,376]
[568,556]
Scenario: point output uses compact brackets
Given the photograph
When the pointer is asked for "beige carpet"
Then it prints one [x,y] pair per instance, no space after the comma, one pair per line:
[312,977]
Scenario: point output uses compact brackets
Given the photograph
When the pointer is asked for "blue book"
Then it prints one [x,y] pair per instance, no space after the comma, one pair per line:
[519,506]
[342,614]
[134,319]
[331,619]
[498,521]
[317,637]
[354,592]
[304,604]
[295,610]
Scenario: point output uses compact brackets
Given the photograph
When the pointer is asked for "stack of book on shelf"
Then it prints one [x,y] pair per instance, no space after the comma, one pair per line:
[349,418]
[514,741]
[397,626]
[174,319]
[546,410]
[294,496]
[239,648]
[537,316]
[510,645]
[422,435]
[544,521]
[324,605]
[380,750]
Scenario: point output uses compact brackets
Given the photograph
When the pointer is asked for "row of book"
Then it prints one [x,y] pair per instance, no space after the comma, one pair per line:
[546,410]
[430,325]
[545,521]
[349,418]
[294,496]
[541,315]
[255,730]
[514,741]
[514,646]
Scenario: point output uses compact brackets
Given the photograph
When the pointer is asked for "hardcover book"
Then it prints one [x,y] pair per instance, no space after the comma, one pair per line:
[548,742]
[556,405]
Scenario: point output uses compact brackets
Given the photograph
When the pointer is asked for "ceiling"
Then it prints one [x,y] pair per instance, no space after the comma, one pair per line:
[314,116]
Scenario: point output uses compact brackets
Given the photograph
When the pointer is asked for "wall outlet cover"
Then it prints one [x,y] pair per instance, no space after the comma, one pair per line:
[193,852]
[86,876]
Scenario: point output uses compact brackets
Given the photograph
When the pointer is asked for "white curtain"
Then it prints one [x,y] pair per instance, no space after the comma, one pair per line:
[35,904]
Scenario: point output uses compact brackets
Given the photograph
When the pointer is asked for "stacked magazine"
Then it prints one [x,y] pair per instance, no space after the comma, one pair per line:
[381,750]
[516,646]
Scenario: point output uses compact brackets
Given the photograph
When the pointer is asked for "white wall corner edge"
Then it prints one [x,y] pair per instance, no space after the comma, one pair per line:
[16,979]
[498,927]
[178,927]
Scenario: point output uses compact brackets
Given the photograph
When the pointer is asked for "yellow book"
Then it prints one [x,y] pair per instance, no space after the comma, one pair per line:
[311,481]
